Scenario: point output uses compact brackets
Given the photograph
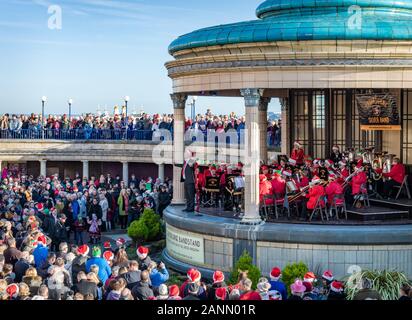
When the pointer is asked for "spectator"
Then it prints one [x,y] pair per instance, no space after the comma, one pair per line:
[104,269]
[277,284]
[367,292]
[158,274]
[405,292]
[142,290]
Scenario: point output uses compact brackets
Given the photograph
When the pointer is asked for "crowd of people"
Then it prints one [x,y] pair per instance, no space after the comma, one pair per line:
[119,126]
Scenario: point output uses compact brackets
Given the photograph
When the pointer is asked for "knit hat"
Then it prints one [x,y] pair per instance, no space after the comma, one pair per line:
[174,291]
[218,276]
[328,275]
[13,291]
[163,291]
[142,252]
[275,274]
[309,277]
[221,293]
[194,275]
[108,255]
[83,250]
[336,286]
[96,252]
[107,245]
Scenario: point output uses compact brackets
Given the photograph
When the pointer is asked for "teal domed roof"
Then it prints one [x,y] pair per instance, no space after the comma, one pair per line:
[293,20]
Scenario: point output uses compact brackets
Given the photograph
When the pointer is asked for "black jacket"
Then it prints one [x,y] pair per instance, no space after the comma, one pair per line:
[191,297]
[164,199]
[49,226]
[96,209]
[132,278]
[79,264]
[20,269]
[62,234]
[144,264]
[142,291]
[86,287]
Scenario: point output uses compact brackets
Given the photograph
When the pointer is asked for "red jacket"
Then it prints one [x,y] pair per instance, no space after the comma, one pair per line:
[333,189]
[345,174]
[298,155]
[250,295]
[265,188]
[358,181]
[201,180]
[278,186]
[304,182]
[314,194]
[397,173]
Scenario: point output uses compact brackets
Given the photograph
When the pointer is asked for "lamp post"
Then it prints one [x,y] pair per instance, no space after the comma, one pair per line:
[193,107]
[70,101]
[126,101]
[43,102]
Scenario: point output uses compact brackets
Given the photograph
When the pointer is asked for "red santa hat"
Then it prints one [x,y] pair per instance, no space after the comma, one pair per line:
[83,250]
[42,239]
[335,147]
[107,245]
[174,291]
[328,163]
[40,207]
[359,164]
[264,168]
[12,290]
[120,242]
[108,255]
[336,286]
[275,274]
[309,277]
[194,275]
[218,276]
[240,165]
[328,275]
[298,144]
[221,293]
[315,179]
[342,163]
[332,176]
[292,162]
[142,252]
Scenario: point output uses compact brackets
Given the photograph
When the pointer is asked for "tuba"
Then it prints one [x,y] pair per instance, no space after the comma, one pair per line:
[387,163]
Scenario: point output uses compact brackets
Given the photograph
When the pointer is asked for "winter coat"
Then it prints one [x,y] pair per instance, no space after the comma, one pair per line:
[62,234]
[104,268]
[20,269]
[298,156]
[96,209]
[333,189]
[79,264]
[314,194]
[49,226]
[86,287]
[158,277]
[12,255]
[132,278]
[40,255]
[105,207]
[280,287]
[142,291]
[357,182]
[144,264]
[397,173]
[265,189]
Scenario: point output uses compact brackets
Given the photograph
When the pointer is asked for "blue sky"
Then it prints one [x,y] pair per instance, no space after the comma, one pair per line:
[105,50]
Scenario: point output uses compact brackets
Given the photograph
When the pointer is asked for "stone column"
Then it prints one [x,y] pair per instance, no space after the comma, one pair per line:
[179,104]
[161,174]
[86,169]
[43,168]
[284,103]
[126,172]
[263,125]
[252,155]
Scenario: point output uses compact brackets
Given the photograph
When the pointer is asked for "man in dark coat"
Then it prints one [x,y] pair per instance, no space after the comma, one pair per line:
[21,266]
[133,276]
[95,208]
[193,290]
[62,231]
[142,290]
[12,254]
[84,286]
[164,200]
[189,180]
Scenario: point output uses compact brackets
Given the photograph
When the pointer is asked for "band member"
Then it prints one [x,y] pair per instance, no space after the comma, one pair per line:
[229,204]
[298,153]
[265,189]
[396,177]
[323,172]
[189,180]
[315,192]
[333,189]
[336,155]
[265,171]
[200,187]
[278,185]
[301,179]
[359,180]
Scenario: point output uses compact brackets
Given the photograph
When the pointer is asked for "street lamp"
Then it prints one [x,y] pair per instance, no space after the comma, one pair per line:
[126,101]
[70,101]
[193,109]
[43,101]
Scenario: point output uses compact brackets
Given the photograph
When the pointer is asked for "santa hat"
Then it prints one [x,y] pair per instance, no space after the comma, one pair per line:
[120,242]
[328,275]
[194,275]
[308,286]
[262,177]
[40,207]
[298,144]
[292,162]
[335,147]
[328,163]
[108,255]
[240,164]
[174,291]
[107,245]
[264,168]
[342,163]
[275,274]
[287,173]
[359,164]
[142,252]
[309,277]
[336,286]
[218,276]
[13,291]
[315,179]
[332,176]
[41,239]
[83,250]
[221,293]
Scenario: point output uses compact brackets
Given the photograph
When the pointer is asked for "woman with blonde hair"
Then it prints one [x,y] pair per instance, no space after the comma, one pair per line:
[33,280]
[123,203]
[24,291]
[92,277]
[121,259]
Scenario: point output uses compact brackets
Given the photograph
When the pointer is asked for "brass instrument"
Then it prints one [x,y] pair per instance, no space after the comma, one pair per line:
[387,164]
[349,178]
[305,189]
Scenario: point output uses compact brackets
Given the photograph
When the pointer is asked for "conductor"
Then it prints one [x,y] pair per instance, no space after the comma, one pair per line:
[189,180]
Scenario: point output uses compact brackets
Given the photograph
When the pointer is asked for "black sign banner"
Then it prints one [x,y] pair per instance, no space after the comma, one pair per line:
[378,111]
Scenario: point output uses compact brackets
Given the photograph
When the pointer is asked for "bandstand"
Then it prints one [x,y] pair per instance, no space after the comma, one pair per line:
[316,57]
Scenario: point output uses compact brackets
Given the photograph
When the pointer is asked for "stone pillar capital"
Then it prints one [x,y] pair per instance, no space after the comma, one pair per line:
[179,100]
[252,97]
[264,103]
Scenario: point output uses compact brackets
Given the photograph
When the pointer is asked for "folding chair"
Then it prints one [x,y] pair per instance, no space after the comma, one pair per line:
[338,205]
[404,187]
[319,209]
[267,205]
[362,196]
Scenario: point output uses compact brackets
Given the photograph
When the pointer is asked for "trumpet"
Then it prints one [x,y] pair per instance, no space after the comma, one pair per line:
[305,189]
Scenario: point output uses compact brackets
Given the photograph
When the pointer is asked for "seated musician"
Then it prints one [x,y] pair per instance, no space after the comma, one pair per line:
[298,154]
[315,167]
[278,185]
[344,171]
[336,155]
[333,189]
[229,190]
[265,170]
[359,180]
[395,177]
[315,192]
[301,179]
[265,189]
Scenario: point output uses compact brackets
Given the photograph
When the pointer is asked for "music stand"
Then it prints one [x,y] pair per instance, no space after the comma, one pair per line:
[211,188]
